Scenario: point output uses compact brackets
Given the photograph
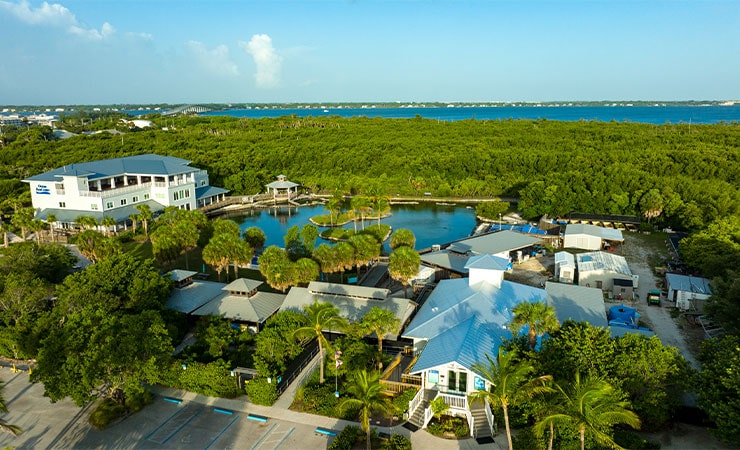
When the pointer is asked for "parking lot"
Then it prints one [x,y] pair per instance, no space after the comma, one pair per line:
[165,424]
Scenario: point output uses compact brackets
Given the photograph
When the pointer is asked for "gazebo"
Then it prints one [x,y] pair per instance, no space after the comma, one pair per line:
[282,188]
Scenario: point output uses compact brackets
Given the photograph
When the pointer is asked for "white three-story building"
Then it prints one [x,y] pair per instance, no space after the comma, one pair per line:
[114,187]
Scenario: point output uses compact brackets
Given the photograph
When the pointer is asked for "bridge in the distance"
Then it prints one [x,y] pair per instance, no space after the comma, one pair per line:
[187,109]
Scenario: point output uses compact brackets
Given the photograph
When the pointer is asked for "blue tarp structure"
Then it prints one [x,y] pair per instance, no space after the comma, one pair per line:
[529,229]
[623,316]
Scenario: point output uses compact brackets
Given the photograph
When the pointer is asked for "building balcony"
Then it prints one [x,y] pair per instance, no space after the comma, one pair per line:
[112,192]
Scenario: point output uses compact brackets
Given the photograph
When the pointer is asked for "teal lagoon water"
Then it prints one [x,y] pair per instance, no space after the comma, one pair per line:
[656,114]
[430,223]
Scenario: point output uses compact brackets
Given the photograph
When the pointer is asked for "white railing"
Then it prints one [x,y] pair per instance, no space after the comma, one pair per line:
[471,423]
[116,191]
[489,416]
[428,414]
[416,401]
[455,401]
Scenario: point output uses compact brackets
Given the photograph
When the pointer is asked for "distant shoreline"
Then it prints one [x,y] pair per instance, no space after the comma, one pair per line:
[321,105]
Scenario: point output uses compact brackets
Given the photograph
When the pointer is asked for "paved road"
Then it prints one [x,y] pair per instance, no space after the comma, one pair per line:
[193,422]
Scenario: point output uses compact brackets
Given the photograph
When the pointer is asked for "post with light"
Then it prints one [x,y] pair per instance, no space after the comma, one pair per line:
[337,364]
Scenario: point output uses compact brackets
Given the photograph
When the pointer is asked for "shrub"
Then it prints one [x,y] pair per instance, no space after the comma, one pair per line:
[347,438]
[212,379]
[126,236]
[401,403]
[436,429]
[631,440]
[106,412]
[461,430]
[319,399]
[397,442]
[260,392]
[135,403]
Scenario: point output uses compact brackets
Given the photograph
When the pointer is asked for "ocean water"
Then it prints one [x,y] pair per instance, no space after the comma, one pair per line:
[641,114]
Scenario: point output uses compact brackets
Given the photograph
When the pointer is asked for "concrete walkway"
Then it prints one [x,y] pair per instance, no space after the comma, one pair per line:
[419,439]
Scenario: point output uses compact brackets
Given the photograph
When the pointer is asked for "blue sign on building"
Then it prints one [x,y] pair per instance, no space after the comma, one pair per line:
[42,189]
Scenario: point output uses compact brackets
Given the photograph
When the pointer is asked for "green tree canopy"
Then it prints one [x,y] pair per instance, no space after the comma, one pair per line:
[320,317]
[537,317]
[511,381]
[404,264]
[403,237]
[592,407]
[719,385]
[366,393]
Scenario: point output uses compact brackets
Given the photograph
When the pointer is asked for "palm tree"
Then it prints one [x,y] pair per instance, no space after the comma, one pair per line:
[360,204]
[5,230]
[367,394]
[591,406]
[381,205]
[345,257]
[255,237]
[403,264]
[306,271]
[379,321]
[320,317]
[134,219]
[326,257]
[214,254]
[108,222]
[366,247]
[539,317]
[51,219]
[364,208]
[334,204]
[86,222]
[4,426]
[36,225]
[145,213]
[403,237]
[22,218]
[511,382]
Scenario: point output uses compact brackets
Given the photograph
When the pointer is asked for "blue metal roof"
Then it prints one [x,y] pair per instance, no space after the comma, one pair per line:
[148,164]
[487,262]
[467,343]
[464,323]
[209,191]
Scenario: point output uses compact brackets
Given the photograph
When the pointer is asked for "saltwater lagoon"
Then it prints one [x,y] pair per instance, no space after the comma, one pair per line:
[431,223]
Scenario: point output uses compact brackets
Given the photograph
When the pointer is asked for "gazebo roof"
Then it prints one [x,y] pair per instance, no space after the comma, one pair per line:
[281,184]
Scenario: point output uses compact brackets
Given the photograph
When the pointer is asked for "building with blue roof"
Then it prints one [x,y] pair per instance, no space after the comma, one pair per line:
[689,292]
[114,187]
[465,319]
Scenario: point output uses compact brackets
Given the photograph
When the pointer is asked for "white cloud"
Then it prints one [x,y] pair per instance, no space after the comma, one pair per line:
[216,61]
[55,15]
[266,58]
[105,32]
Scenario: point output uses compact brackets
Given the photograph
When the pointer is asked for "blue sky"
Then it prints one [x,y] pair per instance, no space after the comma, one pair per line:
[313,51]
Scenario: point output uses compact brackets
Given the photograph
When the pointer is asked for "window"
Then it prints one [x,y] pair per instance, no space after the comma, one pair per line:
[176,196]
[146,196]
[135,199]
[159,195]
[108,205]
[187,193]
[457,381]
[123,201]
[202,182]
[94,206]
[62,204]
